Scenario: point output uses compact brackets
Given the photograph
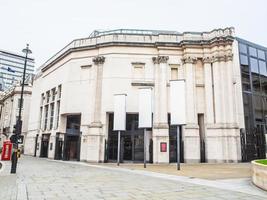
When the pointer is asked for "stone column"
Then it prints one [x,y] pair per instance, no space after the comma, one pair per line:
[191,115]
[160,127]
[217,90]
[230,90]
[208,90]
[98,62]
[93,141]
[191,134]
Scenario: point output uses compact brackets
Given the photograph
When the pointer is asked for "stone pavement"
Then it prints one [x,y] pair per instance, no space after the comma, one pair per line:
[210,171]
[47,179]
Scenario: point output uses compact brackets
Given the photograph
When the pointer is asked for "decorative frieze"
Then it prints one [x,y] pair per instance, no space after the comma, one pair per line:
[99,60]
[160,59]
[188,59]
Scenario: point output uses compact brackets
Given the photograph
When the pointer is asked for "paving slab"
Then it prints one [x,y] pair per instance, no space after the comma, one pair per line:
[48,179]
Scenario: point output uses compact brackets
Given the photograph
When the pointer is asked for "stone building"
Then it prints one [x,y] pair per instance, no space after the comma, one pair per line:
[9,110]
[71,115]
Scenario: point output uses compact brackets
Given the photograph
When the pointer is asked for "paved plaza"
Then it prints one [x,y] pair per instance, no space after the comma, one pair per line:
[48,179]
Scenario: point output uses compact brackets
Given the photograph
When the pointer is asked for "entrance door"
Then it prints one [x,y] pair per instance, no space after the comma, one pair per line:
[58,148]
[173,143]
[72,138]
[127,147]
[132,140]
[138,146]
[200,118]
[44,145]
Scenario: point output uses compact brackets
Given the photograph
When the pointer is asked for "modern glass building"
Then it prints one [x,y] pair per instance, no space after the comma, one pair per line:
[253,61]
[11,68]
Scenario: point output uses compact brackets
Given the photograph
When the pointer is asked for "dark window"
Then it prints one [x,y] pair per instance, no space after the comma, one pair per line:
[263,70]
[246,82]
[242,48]
[256,83]
[264,85]
[53,94]
[254,65]
[252,51]
[46,117]
[51,115]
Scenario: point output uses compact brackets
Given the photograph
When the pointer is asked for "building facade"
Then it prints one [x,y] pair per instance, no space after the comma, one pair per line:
[11,68]
[253,64]
[71,115]
[9,110]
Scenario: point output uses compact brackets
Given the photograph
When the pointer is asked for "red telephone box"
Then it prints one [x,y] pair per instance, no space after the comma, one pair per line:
[7,149]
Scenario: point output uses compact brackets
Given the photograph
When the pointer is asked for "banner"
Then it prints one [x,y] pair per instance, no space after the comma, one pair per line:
[119,122]
[177,102]
[145,108]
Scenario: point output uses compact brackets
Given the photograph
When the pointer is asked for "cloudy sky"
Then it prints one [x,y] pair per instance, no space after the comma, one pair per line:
[48,25]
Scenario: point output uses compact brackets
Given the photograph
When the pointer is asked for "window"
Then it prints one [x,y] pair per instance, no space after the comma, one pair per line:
[242,48]
[174,73]
[261,54]
[19,103]
[57,116]
[243,60]
[59,91]
[41,117]
[42,99]
[252,51]
[46,117]
[263,70]
[51,115]
[254,65]
[53,94]
[246,81]
[47,96]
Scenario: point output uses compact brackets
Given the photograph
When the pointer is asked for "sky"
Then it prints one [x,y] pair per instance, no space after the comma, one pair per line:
[49,25]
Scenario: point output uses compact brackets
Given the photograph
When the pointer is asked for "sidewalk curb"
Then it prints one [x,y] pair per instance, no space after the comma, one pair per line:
[252,190]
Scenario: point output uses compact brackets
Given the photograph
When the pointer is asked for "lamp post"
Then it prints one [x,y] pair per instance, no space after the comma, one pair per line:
[19,121]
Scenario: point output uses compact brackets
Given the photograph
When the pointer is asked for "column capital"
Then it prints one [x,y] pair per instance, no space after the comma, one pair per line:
[99,60]
[188,59]
[160,59]
[222,57]
[207,59]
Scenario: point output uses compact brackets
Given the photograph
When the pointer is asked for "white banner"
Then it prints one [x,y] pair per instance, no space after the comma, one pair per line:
[119,121]
[177,102]
[145,108]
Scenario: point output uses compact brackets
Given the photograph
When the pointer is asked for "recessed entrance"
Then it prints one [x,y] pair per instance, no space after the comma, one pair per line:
[44,145]
[132,140]
[173,143]
[72,138]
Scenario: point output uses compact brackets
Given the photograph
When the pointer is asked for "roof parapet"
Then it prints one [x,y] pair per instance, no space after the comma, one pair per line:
[139,36]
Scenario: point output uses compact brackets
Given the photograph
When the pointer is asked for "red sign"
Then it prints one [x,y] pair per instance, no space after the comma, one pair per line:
[163,147]
[7,149]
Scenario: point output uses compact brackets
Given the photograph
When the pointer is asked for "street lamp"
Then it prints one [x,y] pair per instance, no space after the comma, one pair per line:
[19,121]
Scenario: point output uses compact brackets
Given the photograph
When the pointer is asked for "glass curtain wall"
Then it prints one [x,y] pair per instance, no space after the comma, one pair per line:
[253,61]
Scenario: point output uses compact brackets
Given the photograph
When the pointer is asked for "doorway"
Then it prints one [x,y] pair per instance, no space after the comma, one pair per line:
[72,138]
[173,143]
[44,145]
[58,147]
[200,119]
[132,141]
